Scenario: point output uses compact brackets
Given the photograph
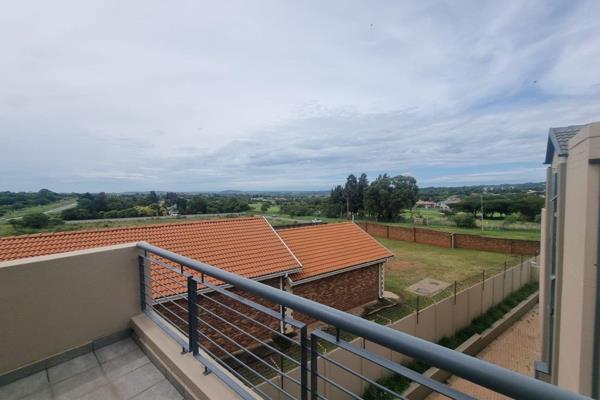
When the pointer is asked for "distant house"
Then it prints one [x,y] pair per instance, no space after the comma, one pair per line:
[425,204]
[442,205]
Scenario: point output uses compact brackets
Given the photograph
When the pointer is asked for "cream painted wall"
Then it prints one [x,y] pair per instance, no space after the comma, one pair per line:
[51,304]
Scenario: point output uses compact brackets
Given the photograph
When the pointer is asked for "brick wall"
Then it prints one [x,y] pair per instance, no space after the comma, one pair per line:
[401,233]
[376,229]
[235,335]
[510,246]
[343,291]
[476,242]
[525,247]
[444,239]
[434,238]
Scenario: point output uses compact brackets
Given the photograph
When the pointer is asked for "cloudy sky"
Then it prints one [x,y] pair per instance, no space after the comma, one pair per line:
[140,95]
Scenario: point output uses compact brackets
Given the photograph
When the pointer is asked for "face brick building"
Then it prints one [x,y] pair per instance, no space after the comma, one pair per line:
[338,265]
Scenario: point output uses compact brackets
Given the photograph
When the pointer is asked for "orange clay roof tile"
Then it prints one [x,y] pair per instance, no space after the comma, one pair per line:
[327,248]
[246,246]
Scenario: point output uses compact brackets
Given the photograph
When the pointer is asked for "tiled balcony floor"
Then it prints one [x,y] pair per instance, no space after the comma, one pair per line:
[118,371]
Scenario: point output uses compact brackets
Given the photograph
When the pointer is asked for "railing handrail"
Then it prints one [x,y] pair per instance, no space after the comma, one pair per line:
[483,373]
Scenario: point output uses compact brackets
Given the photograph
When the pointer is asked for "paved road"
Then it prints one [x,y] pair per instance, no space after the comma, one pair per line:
[62,208]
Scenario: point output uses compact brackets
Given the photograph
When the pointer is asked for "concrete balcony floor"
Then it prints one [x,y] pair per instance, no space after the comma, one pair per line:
[116,372]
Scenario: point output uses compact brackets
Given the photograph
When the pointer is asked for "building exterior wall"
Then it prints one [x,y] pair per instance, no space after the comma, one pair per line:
[342,291]
[218,335]
[54,303]
[570,358]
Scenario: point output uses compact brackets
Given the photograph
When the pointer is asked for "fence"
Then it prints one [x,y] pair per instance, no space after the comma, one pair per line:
[413,302]
[452,240]
[431,319]
[166,277]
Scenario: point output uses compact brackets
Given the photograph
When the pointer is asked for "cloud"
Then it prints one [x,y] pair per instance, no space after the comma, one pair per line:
[145,95]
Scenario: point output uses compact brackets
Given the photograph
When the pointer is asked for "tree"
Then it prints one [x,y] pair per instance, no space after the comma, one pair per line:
[363,184]
[387,196]
[171,198]
[197,205]
[181,205]
[529,206]
[265,206]
[35,220]
[464,220]
[152,197]
[471,204]
[337,203]
[351,194]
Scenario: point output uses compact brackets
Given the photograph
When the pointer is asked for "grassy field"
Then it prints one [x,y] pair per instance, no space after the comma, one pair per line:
[415,261]
[37,209]
[256,207]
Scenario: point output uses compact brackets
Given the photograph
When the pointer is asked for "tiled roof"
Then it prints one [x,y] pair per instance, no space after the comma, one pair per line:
[327,248]
[245,246]
[558,140]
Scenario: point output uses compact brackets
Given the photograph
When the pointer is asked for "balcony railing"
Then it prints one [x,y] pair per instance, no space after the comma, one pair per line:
[244,326]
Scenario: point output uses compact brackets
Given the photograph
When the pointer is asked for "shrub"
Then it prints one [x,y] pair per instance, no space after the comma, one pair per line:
[514,218]
[464,220]
[35,220]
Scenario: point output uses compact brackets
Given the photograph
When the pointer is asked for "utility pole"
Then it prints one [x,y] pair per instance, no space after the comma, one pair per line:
[482,212]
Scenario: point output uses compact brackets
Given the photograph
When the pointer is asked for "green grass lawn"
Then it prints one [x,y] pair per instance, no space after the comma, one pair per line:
[256,207]
[415,261]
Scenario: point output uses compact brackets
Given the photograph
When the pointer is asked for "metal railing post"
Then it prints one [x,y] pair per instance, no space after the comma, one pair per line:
[314,384]
[192,288]
[304,363]
[455,284]
[482,279]
[418,298]
[142,273]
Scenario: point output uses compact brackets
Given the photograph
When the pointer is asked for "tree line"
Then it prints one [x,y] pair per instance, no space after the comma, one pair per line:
[102,205]
[384,198]
[522,206]
[10,201]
